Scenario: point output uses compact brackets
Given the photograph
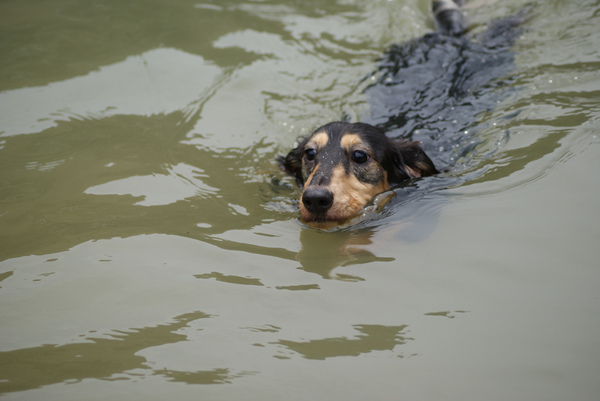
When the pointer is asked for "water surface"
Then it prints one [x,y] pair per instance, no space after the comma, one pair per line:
[150,246]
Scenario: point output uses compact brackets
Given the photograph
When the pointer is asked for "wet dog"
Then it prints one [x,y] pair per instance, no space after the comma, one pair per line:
[341,166]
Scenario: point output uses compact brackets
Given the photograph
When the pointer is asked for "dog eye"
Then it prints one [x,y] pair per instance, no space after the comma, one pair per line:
[310,154]
[360,156]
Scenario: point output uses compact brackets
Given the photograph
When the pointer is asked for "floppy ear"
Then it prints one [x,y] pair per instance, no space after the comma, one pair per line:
[292,164]
[410,161]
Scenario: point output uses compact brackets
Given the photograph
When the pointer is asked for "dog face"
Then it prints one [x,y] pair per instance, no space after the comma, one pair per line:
[341,166]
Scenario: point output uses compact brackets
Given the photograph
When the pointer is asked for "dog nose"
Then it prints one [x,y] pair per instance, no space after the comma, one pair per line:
[317,199]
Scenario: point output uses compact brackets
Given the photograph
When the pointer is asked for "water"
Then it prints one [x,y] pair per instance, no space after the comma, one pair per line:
[150,246]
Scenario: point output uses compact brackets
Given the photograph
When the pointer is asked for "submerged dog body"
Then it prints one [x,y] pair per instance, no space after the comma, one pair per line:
[341,166]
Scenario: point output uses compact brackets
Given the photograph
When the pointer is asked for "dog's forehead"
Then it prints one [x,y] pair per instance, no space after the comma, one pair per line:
[351,140]
[345,139]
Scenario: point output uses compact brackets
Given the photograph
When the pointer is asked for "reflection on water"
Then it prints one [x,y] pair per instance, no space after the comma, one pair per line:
[180,183]
[96,358]
[141,85]
[215,376]
[140,162]
[446,314]
[230,279]
[343,248]
[138,182]
[372,338]
[517,159]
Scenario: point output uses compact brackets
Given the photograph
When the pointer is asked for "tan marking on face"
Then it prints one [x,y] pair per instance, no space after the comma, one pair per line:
[318,140]
[351,141]
[349,196]
[312,174]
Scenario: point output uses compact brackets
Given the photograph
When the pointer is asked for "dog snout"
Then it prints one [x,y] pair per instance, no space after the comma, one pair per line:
[317,200]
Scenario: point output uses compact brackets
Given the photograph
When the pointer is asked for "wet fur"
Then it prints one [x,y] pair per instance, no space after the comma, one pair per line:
[351,184]
[335,187]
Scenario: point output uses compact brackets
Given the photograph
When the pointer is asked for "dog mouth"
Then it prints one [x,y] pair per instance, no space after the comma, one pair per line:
[323,221]
[321,218]
[353,209]
[324,215]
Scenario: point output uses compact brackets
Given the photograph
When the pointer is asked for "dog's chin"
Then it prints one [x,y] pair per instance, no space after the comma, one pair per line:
[322,224]
[323,221]
[333,217]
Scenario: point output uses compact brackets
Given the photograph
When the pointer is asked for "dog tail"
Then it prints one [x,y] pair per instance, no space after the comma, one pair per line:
[448,16]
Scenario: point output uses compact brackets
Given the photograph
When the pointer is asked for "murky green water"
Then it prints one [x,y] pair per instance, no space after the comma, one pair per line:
[150,248]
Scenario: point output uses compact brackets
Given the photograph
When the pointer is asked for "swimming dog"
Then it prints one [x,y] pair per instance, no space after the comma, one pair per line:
[341,166]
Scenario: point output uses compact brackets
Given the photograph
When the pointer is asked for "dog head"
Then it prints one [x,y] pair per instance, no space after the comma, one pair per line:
[341,166]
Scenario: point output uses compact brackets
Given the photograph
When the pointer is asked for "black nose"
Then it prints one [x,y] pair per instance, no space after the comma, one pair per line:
[317,199]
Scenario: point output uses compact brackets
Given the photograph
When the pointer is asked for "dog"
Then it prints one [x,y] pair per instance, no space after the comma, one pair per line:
[341,166]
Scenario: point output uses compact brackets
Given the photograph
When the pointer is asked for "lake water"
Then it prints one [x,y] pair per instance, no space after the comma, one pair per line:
[150,246]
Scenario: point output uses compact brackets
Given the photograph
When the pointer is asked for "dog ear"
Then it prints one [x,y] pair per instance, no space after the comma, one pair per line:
[292,164]
[410,161]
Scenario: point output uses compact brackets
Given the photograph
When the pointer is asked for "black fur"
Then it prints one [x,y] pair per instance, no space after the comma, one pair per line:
[429,90]
[397,157]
